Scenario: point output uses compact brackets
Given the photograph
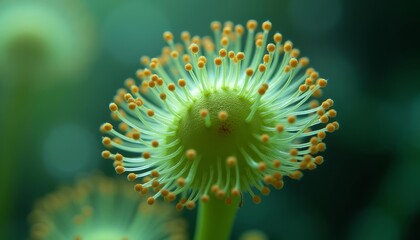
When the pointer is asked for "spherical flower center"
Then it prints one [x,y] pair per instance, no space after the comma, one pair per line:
[223,137]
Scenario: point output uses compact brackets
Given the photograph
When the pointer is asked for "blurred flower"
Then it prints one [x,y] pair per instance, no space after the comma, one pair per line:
[253,235]
[99,208]
[234,124]
[44,40]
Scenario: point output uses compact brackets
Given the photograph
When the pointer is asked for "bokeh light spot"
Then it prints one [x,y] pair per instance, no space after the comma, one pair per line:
[69,149]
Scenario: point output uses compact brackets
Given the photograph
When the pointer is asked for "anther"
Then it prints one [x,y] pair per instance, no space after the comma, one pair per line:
[150,201]
[251,25]
[293,62]
[155,143]
[291,119]
[119,169]
[276,163]
[266,26]
[131,177]
[277,37]
[191,154]
[146,155]
[194,48]
[265,138]
[150,113]
[168,36]
[231,161]
[171,87]
[106,154]
[256,199]
[222,115]
[113,107]
[180,181]
[279,128]
[182,83]
[271,47]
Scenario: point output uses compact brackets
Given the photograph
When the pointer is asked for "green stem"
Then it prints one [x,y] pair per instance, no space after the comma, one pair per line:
[215,219]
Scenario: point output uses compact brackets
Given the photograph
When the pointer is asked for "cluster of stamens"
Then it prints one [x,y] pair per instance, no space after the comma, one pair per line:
[199,129]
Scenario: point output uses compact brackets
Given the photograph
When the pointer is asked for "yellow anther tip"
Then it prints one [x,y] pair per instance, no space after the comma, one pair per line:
[266,26]
[251,25]
[191,154]
[222,115]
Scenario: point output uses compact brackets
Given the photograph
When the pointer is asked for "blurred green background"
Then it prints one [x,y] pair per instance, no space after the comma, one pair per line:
[61,61]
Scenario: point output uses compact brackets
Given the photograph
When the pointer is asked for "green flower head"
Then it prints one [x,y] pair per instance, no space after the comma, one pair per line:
[213,118]
[100,208]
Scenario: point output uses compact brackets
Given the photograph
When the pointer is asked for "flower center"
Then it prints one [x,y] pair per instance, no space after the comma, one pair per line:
[226,133]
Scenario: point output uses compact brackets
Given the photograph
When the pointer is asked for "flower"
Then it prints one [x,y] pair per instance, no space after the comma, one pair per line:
[100,208]
[211,117]
[42,41]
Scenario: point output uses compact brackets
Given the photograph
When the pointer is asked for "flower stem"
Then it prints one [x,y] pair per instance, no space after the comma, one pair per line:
[215,219]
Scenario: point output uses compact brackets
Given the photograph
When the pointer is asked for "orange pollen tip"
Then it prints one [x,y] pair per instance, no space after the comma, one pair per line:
[136,135]
[322,82]
[266,26]
[138,187]
[162,96]
[106,154]
[180,181]
[107,127]
[293,62]
[217,61]
[265,138]
[259,43]
[182,82]
[240,56]
[291,119]
[303,88]
[188,67]
[119,169]
[204,112]
[321,135]
[231,54]
[276,163]
[256,199]
[319,160]
[262,166]
[262,90]
[271,47]
[215,25]
[168,36]
[324,119]
[279,128]
[294,152]
[200,64]
[249,72]
[251,25]
[332,113]
[223,115]
[150,113]
[150,201]
[296,175]
[231,161]
[190,205]
[265,191]
[205,198]
[132,105]
[131,177]
[146,155]
[304,61]
[222,52]
[113,107]
[191,154]
[277,37]
[171,87]
[194,48]
[330,127]
[106,141]
[154,173]
[118,157]
[314,75]
[155,143]
[174,54]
